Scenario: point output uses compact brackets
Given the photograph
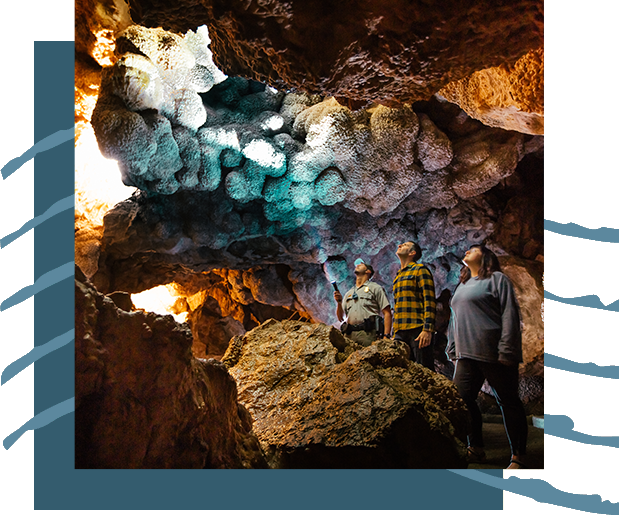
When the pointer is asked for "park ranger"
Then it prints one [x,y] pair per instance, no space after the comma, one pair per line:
[364,306]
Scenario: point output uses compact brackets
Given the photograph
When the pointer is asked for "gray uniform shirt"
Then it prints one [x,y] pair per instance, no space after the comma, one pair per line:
[371,300]
[485,321]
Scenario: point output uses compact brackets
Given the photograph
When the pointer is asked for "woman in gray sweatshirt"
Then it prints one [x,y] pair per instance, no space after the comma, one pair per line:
[485,341]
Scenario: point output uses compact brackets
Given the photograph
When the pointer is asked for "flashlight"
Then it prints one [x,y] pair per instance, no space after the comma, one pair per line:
[335,286]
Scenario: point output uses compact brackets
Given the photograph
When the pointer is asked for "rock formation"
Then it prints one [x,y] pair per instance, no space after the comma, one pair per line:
[333,136]
[284,178]
[320,401]
[143,401]
[387,51]
[225,303]
[511,97]
[292,182]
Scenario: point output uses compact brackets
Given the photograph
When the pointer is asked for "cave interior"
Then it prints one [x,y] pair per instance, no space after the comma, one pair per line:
[233,160]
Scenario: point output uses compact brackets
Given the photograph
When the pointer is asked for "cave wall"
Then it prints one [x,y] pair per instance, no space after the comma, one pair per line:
[235,174]
[221,304]
[143,401]
[388,51]
[335,136]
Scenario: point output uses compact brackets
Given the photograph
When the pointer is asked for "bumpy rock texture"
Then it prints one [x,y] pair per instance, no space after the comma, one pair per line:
[293,151]
[319,401]
[254,199]
[224,303]
[383,51]
[511,97]
[293,186]
[143,401]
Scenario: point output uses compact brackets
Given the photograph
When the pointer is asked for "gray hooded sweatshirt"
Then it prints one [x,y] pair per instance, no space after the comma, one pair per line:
[485,321]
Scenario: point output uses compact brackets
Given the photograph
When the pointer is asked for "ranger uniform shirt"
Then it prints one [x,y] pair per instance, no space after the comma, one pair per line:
[371,299]
[415,304]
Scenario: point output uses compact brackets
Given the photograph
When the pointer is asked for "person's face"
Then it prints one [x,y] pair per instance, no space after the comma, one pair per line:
[473,257]
[405,249]
[361,270]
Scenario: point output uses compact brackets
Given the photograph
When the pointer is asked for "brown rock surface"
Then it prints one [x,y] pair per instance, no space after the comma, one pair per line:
[318,401]
[526,275]
[510,97]
[215,312]
[96,21]
[520,229]
[87,245]
[142,400]
[389,51]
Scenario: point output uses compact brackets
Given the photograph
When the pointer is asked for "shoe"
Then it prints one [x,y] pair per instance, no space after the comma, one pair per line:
[475,456]
[516,464]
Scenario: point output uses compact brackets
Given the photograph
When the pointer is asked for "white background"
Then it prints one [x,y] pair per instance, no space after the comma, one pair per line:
[580,187]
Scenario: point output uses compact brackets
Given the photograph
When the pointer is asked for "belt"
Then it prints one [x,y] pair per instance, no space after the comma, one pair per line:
[355,327]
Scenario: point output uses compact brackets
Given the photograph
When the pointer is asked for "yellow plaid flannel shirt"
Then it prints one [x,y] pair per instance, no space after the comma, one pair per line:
[415,303]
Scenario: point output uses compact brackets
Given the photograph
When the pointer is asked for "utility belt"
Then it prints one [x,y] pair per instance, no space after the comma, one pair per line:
[372,323]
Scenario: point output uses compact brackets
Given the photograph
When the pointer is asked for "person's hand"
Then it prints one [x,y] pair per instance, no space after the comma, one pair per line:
[337,296]
[425,339]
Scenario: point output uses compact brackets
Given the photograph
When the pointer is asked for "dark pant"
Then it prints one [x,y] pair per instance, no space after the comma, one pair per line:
[469,378]
[423,356]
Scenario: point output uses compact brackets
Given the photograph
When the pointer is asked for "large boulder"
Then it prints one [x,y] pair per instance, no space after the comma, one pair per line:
[320,401]
[143,401]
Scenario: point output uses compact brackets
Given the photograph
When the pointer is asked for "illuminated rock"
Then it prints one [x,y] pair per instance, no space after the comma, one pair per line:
[288,178]
[385,51]
[318,403]
[291,152]
[510,97]
[143,401]
[527,277]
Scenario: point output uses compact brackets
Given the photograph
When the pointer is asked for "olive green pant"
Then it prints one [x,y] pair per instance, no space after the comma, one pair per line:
[364,338]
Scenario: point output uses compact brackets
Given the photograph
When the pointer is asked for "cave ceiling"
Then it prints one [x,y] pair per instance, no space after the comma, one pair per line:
[390,51]
[335,134]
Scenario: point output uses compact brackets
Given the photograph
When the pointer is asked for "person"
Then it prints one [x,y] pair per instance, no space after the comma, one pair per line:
[362,305]
[484,339]
[414,305]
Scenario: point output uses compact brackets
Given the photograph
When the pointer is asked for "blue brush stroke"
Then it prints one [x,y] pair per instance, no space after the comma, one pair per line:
[563,426]
[56,208]
[585,301]
[542,491]
[45,281]
[40,420]
[589,368]
[33,355]
[574,230]
[47,143]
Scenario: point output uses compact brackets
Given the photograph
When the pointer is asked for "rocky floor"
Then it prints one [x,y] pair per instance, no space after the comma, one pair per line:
[497,446]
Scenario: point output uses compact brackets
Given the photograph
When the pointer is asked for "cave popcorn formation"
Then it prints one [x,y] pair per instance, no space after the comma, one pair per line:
[205,126]
[253,199]
[302,177]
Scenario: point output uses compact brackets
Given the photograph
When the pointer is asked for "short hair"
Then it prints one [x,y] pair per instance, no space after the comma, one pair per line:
[369,268]
[415,247]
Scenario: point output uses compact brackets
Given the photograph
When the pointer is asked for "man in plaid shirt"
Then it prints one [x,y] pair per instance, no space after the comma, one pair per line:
[415,304]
